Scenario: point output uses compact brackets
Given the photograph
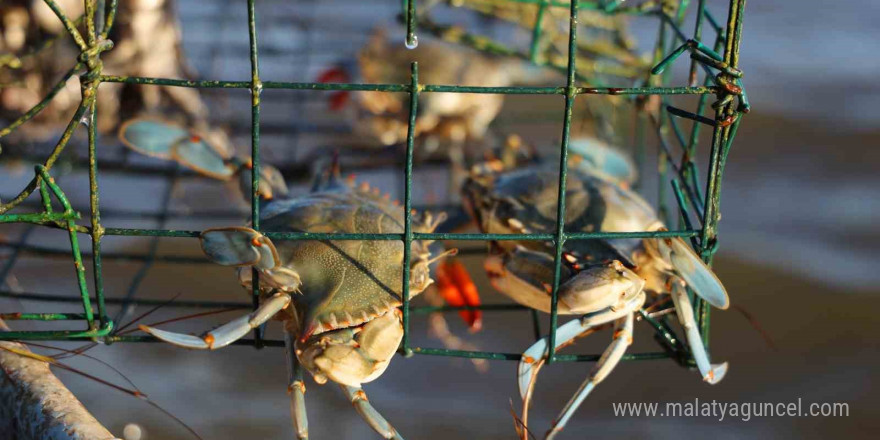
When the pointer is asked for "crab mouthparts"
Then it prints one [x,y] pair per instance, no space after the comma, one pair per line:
[317,327]
[309,332]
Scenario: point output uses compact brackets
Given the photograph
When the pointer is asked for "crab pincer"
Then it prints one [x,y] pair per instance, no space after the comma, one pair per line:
[338,299]
[605,281]
[458,289]
[238,246]
[166,140]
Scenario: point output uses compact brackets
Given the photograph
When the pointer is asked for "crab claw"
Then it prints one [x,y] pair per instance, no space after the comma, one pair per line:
[694,272]
[272,184]
[151,137]
[712,373]
[194,152]
[600,159]
[539,350]
[457,289]
[226,333]
[566,333]
[239,246]
[167,140]
[339,99]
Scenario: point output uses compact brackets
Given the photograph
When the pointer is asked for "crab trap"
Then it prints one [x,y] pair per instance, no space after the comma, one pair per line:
[677,91]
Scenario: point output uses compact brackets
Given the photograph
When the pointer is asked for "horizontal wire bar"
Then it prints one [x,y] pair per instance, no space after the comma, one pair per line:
[485,307]
[167,258]
[51,335]
[417,236]
[428,351]
[614,235]
[128,232]
[429,88]
[28,296]
[38,218]
[44,316]
[467,354]
[405,88]
[243,341]
[595,357]
[121,256]
[517,356]
[214,214]
[227,304]
[710,90]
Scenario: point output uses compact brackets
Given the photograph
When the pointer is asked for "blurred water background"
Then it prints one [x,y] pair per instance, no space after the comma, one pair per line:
[799,252]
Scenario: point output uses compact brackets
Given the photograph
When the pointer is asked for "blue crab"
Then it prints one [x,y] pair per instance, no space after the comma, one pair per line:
[605,281]
[338,300]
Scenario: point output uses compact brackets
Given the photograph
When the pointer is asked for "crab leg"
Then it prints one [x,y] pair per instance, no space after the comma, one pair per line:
[712,373]
[226,333]
[622,339]
[296,388]
[358,398]
[564,334]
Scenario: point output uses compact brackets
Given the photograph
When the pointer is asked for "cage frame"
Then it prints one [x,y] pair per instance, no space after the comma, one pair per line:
[730,106]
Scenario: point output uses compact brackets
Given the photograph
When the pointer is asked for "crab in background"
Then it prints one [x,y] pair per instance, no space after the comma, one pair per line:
[36,52]
[337,299]
[449,119]
[605,281]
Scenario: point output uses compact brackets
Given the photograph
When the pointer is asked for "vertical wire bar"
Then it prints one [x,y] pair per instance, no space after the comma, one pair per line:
[536,31]
[407,201]
[695,129]
[641,121]
[100,17]
[662,211]
[719,134]
[44,197]
[91,34]
[409,8]
[570,94]
[256,90]
[42,172]
[536,324]
[662,171]
[90,88]
[95,9]
[111,19]
[689,169]
[698,35]
[721,140]
[80,274]
[97,230]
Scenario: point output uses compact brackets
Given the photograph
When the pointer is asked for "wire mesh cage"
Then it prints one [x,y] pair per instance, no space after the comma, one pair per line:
[644,88]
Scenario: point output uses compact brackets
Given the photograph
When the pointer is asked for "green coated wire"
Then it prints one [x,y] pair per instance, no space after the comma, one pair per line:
[408,235]
[256,87]
[559,241]
[728,39]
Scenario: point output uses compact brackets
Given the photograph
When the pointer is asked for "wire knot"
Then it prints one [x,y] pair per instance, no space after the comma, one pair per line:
[91,58]
[710,250]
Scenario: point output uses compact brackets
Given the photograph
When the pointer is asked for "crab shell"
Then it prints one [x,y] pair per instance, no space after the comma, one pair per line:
[524,201]
[345,316]
[384,116]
